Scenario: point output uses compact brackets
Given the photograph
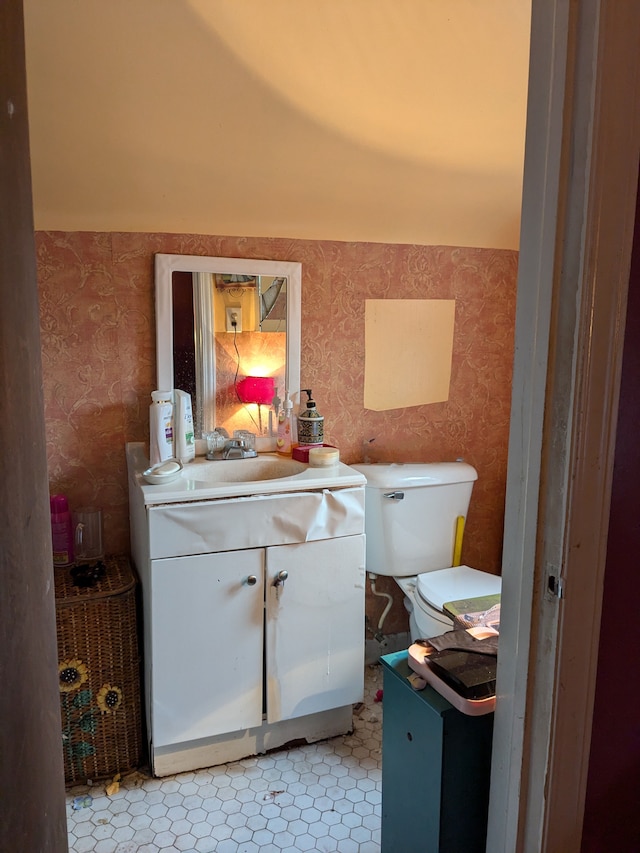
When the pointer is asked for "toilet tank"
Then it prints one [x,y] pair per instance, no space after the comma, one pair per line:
[411,511]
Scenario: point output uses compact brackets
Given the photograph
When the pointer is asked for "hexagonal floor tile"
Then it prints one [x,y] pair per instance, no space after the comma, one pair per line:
[317,797]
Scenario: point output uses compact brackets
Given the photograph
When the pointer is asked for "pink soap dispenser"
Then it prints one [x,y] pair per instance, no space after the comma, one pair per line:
[61,531]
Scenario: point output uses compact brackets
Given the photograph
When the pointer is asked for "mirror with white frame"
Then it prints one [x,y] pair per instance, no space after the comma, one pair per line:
[220,321]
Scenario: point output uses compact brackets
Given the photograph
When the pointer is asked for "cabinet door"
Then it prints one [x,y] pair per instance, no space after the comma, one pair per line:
[314,626]
[206,645]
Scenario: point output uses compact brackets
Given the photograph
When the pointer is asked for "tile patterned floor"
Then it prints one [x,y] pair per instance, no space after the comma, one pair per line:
[318,797]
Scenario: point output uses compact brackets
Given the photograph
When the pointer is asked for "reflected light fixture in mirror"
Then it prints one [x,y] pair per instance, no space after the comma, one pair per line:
[256,389]
[213,364]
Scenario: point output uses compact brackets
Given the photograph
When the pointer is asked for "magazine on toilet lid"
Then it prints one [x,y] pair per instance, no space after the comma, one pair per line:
[456,583]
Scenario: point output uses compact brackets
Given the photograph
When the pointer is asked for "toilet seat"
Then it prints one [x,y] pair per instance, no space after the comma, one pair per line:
[427,593]
[456,583]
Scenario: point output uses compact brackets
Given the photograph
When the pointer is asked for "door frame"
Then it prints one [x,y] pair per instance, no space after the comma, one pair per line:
[578,218]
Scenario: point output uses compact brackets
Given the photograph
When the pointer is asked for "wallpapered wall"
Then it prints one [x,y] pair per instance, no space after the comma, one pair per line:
[98,355]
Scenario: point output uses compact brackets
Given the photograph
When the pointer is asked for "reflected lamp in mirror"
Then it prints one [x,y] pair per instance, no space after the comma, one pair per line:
[256,389]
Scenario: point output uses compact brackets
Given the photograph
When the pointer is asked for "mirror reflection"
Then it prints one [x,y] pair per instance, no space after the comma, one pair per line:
[228,333]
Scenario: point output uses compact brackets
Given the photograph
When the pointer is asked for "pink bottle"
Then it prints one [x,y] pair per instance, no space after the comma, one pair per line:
[61,531]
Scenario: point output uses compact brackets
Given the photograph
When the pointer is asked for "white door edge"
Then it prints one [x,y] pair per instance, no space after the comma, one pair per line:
[583,142]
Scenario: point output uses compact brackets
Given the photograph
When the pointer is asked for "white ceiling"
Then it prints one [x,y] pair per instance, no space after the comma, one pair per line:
[391,121]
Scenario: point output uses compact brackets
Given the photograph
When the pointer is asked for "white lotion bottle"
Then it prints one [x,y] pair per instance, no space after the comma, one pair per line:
[160,427]
[184,438]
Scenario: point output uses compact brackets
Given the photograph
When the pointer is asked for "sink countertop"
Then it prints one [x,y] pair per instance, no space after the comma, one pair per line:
[185,489]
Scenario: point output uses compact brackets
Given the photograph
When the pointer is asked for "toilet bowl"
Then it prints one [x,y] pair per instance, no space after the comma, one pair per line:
[411,517]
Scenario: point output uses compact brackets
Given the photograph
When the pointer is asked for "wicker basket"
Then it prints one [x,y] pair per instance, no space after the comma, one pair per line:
[99,672]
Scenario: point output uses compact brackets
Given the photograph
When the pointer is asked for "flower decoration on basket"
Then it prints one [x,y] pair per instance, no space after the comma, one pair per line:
[80,717]
[109,698]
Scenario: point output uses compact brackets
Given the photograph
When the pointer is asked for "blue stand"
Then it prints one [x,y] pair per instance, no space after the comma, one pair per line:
[436,764]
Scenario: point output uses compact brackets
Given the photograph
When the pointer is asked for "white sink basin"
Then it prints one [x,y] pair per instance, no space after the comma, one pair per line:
[267,474]
[243,470]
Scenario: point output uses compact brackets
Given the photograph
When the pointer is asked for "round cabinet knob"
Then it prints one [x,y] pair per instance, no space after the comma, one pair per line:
[252,580]
[283,575]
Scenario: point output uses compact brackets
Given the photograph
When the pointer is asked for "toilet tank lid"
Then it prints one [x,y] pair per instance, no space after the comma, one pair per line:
[390,475]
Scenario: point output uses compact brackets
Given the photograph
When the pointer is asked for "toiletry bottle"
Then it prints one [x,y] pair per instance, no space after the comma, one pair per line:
[284,439]
[274,414]
[310,423]
[61,531]
[184,438]
[160,427]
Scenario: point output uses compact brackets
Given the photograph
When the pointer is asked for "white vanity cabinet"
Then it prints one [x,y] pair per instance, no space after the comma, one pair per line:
[253,615]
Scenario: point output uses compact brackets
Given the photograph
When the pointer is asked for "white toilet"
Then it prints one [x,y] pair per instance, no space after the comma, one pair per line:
[411,513]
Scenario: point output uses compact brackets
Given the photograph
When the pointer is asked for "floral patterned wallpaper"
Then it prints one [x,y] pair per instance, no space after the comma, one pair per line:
[98,354]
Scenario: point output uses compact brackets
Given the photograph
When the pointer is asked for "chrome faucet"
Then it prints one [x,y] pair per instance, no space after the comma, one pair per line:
[237,448]
[234,448]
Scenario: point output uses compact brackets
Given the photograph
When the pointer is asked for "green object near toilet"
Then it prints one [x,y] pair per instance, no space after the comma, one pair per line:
[470,605]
